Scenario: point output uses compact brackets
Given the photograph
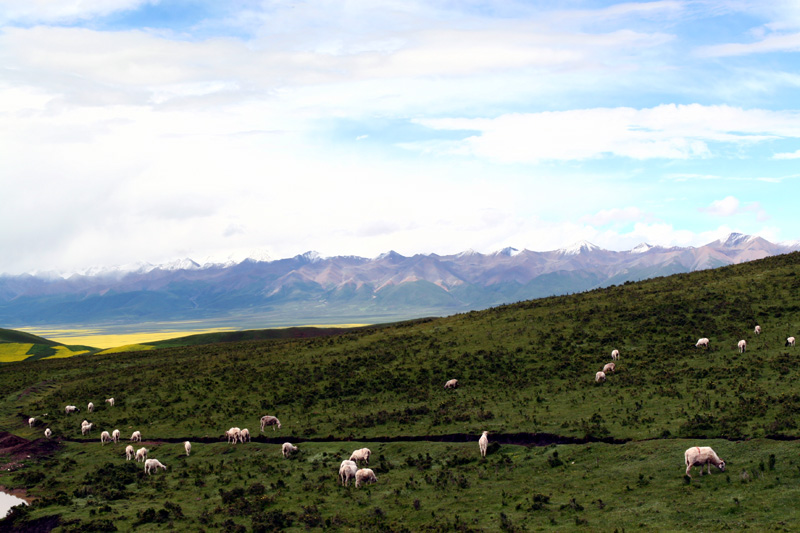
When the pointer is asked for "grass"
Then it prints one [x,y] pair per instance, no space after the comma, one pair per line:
[523,368]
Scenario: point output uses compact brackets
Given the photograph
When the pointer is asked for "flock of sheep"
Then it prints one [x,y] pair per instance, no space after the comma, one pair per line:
[694,456]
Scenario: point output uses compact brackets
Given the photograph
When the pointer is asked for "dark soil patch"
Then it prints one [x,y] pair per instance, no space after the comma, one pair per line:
[14,450]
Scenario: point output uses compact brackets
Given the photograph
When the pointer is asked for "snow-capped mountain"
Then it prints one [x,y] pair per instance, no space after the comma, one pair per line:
[309,286]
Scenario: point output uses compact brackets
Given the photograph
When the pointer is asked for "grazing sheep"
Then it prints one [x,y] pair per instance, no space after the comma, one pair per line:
[268,420]
[365,475]
[233,435]
[702,342]
[483,443]
[288,449]
[31,420]
[129,453]
[153,465]
[600,377]
[742,346]
[86,428]
[141,454]
[187,446]
[90,407]
[115,435]
[244,435]
[790,341]
[136,436]
[609,367]
[105,437]
[362,454]
[47,433]
[757,330]
[614,354]
[71,409]
[452,384]
[700,456]
[347,471]
[110,402]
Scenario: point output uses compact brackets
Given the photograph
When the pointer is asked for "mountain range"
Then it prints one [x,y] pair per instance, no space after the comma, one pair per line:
[308,288]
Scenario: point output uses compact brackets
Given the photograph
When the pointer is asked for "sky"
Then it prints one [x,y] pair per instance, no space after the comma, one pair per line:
[149,131]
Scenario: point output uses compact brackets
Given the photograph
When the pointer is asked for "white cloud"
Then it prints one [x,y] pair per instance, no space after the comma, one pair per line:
[38,11]
[772,43]
[615,216]
[787,155]
[667,131]
[730,206]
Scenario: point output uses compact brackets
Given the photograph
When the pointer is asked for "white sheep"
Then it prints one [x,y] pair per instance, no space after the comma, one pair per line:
[244,435]
[31,420]
[71,409]
[365,475]
[288,449]
[609,367]
[86,428]
[141,454]
[600,377]
[153,465]
[702,342]
[115,435]
[614,354]
[757,330]
[452,384]
[700,456]
[110,402]
[90,407]
[187,446]
[483,443]
[362,454]
[129,453]
[268,420]
[790,341]
[347,471]
[136,436]
[47,433]
[105,437]
[233,435]
[742,346]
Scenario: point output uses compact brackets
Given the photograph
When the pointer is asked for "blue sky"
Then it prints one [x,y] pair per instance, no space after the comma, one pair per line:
[149,131]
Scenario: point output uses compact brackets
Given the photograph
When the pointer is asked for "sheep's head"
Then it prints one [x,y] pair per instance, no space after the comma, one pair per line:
[721,465]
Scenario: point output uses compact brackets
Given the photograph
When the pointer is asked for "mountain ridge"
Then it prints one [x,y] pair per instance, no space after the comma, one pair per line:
[309,287]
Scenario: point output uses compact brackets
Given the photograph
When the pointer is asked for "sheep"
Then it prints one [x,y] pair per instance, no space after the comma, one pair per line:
[742,346]
[86,428]
[47,433]
[452,384]
[268,420]
[153,464]
[365,475]
[614,354]
[187,446]
[31,420]
[757,330]
[483,443]
[362,454]
[790,341]
[702,342]
[136,436]
[129,453]
[600,377]
[347,471]
[71,409]
[141,454]
[244,435]
[115,435]
[90,407]
[702,455]
[609,367]
[105,437]
[288,449]
[110,402]
[233,435]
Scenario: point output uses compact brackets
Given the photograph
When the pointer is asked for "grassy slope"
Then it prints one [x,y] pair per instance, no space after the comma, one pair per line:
[527,367]
[18,346]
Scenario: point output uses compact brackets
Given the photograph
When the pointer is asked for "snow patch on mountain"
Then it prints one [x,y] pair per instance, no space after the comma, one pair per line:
[580,247]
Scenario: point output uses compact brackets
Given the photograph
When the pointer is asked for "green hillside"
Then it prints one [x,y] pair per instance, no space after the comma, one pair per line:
[609,456]
[18,346]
